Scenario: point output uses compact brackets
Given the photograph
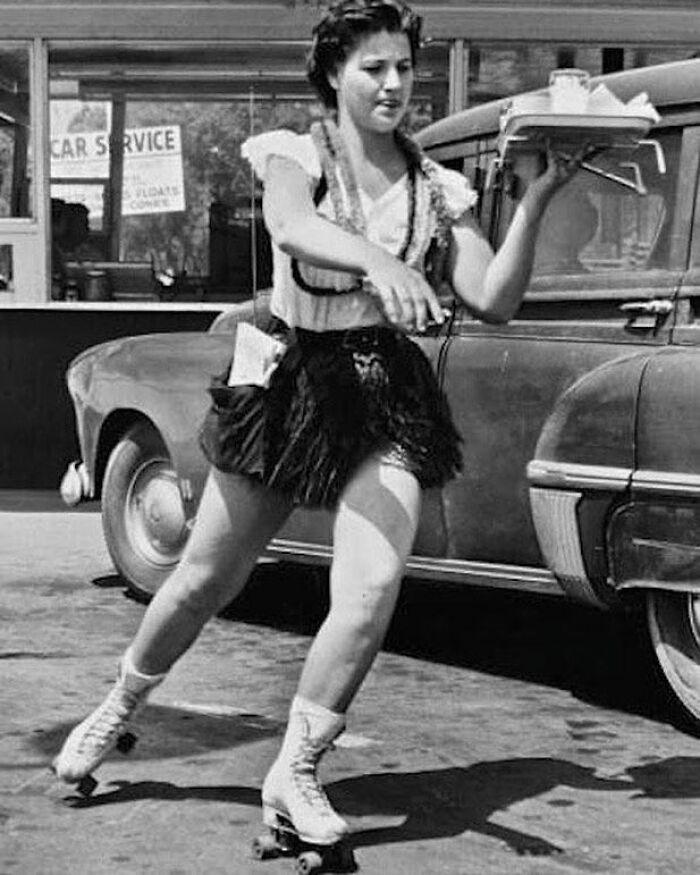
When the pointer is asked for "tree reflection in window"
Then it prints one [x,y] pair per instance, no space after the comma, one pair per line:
[15,175]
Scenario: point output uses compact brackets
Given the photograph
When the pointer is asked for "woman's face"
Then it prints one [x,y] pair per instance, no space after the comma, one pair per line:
[374,84]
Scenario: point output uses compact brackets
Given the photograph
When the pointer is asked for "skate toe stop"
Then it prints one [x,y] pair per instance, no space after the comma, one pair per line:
[125,742]
[346,859]
[86,786]
[334,858]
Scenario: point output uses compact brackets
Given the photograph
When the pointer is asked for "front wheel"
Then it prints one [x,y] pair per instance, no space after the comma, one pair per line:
[143,516]
[673,619]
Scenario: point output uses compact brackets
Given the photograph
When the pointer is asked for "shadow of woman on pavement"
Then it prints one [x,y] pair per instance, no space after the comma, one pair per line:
[385,808]
[671,778]
[448,802]
[432,804]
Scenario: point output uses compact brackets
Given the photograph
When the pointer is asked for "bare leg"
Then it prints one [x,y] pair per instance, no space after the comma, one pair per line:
[374,531]
[235,520]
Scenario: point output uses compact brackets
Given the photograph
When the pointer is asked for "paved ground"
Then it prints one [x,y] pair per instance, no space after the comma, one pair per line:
[497,734]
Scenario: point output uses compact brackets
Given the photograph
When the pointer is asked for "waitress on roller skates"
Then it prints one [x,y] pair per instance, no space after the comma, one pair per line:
[364,228]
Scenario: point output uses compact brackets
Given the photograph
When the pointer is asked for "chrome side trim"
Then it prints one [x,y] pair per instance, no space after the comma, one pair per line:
[690,586]
[566,475]
[554,516]
[523,578]
[556,524]
[672,482]
[282,548]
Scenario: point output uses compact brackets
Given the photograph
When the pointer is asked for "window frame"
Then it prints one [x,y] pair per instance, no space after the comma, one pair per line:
[30,234]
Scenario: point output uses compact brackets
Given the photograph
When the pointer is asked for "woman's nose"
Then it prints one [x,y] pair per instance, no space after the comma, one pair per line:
[392,80]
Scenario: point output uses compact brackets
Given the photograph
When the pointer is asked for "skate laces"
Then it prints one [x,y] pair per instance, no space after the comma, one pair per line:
[110,718]
[305,778]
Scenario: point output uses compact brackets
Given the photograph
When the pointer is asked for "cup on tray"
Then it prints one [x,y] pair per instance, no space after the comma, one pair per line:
[569,91]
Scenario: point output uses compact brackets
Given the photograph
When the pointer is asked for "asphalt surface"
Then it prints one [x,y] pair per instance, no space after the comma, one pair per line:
[497,733]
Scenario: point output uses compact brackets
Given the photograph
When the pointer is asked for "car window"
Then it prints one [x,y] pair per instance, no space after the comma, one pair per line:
[595,224]
[475,166]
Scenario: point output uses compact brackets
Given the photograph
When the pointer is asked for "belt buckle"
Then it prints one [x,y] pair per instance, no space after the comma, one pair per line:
[361,339]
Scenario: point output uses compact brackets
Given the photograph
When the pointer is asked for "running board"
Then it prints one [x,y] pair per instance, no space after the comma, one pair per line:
[492,575]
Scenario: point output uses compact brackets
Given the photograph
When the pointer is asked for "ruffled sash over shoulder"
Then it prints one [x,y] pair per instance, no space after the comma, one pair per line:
[286,144]
[459,195]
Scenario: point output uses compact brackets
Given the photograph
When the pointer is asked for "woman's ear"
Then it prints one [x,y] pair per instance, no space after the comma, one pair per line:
[332,77]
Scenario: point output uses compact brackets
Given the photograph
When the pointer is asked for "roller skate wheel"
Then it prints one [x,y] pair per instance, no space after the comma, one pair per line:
[264,848]
[125,742]
[86,786]
[309,863]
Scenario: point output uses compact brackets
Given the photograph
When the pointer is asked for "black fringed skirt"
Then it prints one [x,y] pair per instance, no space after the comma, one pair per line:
[336,398]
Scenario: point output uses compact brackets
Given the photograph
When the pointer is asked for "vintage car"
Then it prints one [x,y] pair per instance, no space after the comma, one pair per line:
[580,417]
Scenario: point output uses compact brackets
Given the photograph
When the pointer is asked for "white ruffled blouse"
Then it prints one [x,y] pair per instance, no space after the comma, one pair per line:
[386,222]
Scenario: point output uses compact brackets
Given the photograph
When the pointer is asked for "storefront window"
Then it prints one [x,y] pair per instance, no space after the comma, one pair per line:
[497,70]
[431,89]
[15,133]
[148,185]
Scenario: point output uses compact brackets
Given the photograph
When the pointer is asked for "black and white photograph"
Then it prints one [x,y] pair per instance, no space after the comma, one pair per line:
[349,437]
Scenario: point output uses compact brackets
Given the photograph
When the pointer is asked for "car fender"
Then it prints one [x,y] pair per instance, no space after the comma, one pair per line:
[654,538]
[583,465]
[160,377]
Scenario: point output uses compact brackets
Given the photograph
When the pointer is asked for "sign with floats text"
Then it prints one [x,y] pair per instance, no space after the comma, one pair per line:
[153,174]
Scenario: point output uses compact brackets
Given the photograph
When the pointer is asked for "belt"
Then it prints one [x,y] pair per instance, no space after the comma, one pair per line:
[363,337]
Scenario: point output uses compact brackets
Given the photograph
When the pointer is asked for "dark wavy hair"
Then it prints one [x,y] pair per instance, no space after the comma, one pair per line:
[342,27]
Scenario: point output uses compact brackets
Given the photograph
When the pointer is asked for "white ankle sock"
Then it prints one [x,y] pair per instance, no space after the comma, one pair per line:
[300,705]
[129,668]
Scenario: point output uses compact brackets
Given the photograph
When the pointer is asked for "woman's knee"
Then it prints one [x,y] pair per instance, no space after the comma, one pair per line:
[365,596]
[374,570]
[199,589]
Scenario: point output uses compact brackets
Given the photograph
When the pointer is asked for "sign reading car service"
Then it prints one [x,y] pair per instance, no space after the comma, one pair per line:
[153,177]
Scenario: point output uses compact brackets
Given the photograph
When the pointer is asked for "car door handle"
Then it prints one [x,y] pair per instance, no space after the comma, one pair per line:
[646,315]
[655,307]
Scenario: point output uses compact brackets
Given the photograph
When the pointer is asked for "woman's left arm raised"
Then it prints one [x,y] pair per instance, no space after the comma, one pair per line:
[492,285]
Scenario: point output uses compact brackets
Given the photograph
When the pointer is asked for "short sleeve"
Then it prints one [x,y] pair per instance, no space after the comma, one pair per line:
[459,195]
[286,144]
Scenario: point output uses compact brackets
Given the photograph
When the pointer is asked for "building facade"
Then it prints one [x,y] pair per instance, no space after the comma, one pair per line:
[124,203]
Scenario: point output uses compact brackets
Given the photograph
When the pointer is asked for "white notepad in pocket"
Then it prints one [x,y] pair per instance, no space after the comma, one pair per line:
[255,356]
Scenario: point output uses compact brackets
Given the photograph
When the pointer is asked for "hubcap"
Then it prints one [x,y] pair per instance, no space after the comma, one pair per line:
[694,616]
[156,523]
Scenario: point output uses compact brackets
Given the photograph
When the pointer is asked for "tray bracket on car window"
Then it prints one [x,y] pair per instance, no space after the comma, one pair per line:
[519,143]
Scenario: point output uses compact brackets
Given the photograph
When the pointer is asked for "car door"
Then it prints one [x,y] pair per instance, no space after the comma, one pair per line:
[607,268]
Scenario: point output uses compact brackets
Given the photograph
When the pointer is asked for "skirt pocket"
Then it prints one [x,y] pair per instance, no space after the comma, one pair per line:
[231,435]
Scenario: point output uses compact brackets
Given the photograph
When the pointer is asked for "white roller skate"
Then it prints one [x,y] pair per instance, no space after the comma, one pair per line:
[296,809]
[105,729]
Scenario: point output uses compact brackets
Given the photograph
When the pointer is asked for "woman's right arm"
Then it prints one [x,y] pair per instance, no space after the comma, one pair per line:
[296,227]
